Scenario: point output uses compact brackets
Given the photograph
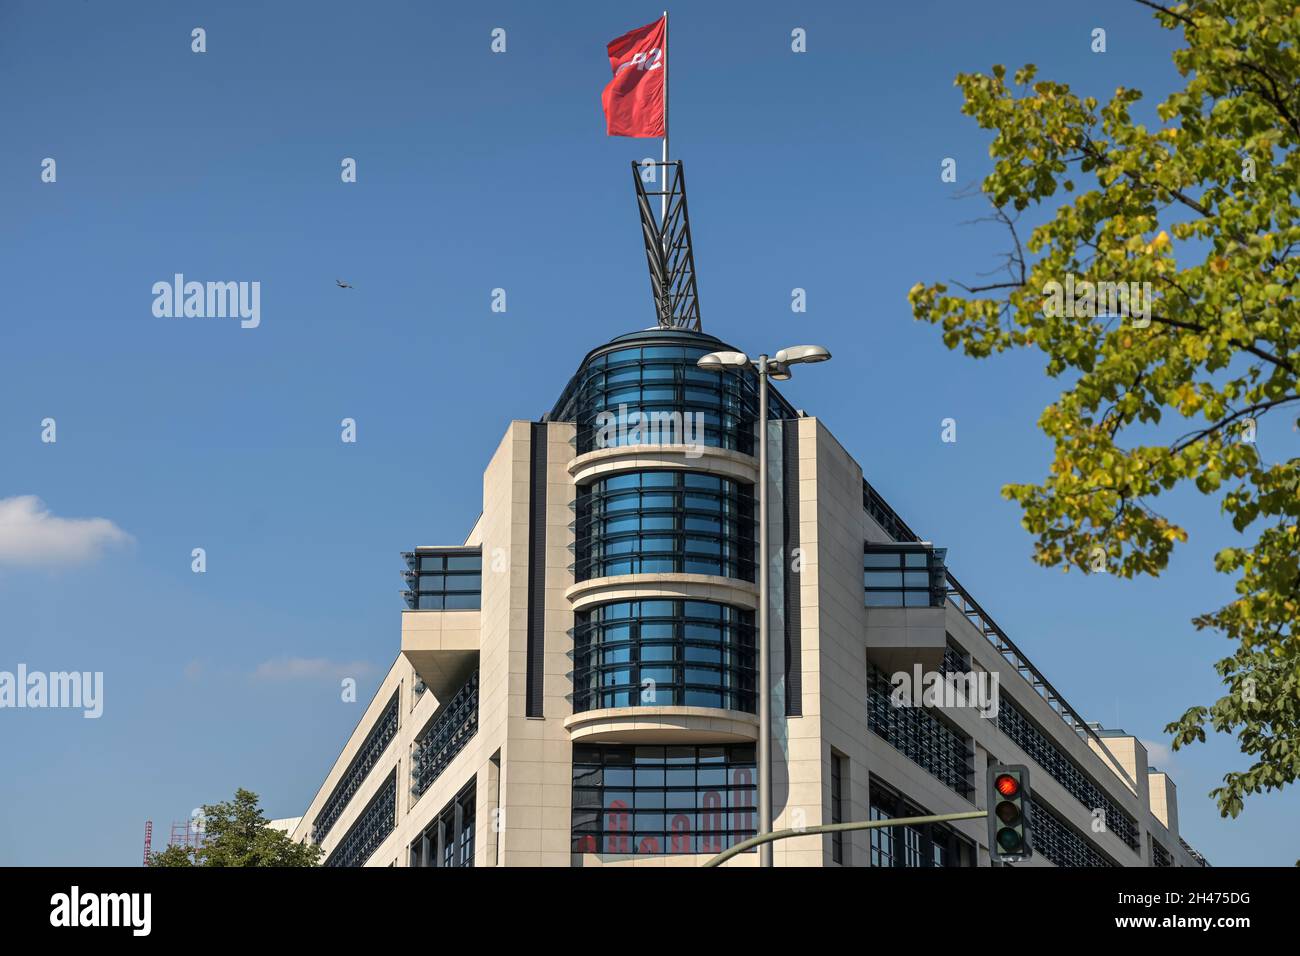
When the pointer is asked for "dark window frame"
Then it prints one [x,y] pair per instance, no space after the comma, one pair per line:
[437,576]
[449,838]
[665,521]
[904,575]
[372,827]
[663,800]
[838,783]
[664,378]
[619,645]
[926,846]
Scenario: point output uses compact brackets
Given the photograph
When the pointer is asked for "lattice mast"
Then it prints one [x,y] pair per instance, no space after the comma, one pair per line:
[187,834]
[668,249]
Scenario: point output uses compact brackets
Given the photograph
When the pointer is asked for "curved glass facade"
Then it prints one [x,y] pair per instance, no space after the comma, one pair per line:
[696,653]
[657,800]
[665,521]
[652,377]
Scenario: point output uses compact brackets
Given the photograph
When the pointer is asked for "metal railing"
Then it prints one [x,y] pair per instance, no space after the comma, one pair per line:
[1202,861]
[894,525]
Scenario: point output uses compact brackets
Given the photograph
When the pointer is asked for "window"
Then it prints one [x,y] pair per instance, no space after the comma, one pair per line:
[663,379]
[664,652]
[912,855]
[955,660]
[443,579]
[926,845]
[882,839]
[448,840]
[1059,842]
[1159,855]
[1017,725]
[446,735]
[837,806]
[372,828]
[920,735]
[376,742]
[665,521]
[663,800]
[904,576]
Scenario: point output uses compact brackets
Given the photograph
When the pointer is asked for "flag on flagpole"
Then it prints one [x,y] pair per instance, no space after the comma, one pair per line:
[634,98]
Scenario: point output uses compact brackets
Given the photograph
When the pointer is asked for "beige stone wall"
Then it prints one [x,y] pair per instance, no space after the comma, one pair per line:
[1163,798]
[523,765]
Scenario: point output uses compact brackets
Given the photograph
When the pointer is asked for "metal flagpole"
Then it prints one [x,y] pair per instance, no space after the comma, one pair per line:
[663,200]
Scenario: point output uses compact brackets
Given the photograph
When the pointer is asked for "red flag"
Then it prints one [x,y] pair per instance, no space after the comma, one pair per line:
[634,99]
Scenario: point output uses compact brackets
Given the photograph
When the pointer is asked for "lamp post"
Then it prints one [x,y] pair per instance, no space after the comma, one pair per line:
[778,368]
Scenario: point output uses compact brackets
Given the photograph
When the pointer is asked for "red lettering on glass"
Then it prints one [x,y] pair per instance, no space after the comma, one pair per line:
[619,822]
[711,822]
[681,841]
[744,780]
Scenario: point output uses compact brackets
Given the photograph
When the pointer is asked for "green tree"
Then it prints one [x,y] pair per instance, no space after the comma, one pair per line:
[1203,206]
[236,834]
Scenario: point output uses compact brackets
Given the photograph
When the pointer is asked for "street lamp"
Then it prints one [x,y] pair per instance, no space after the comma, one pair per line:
[778,368]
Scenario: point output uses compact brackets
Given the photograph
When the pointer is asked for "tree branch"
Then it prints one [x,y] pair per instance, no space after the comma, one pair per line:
[1168,12]
[1251,348]
[1191,438]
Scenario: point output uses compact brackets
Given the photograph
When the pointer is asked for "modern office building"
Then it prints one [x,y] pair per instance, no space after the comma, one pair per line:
[577,680]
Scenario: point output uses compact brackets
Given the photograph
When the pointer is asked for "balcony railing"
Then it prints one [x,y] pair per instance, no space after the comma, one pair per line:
[446,736]
[443,579]
[376,742]
[1200,860]
[904,575]
[372,828]
[920,736]
[896,527]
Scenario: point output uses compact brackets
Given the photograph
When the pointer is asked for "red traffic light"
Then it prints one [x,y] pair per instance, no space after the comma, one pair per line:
[1007,785]
[1009,816]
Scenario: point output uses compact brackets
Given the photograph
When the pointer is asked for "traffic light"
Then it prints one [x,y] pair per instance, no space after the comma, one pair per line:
[1009,813]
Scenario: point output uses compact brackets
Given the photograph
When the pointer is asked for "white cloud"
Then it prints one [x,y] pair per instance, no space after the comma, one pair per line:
[1159,754]
[309,668]
[30,535]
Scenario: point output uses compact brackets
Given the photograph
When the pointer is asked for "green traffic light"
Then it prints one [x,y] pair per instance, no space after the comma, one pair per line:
[1009,840]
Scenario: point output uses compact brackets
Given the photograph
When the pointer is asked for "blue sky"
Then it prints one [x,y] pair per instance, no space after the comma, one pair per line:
[478,171]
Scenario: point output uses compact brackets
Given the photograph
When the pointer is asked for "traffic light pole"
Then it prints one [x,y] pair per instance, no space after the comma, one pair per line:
[763,838]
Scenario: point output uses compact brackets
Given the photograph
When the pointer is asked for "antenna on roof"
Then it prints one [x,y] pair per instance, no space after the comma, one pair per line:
[668,247]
